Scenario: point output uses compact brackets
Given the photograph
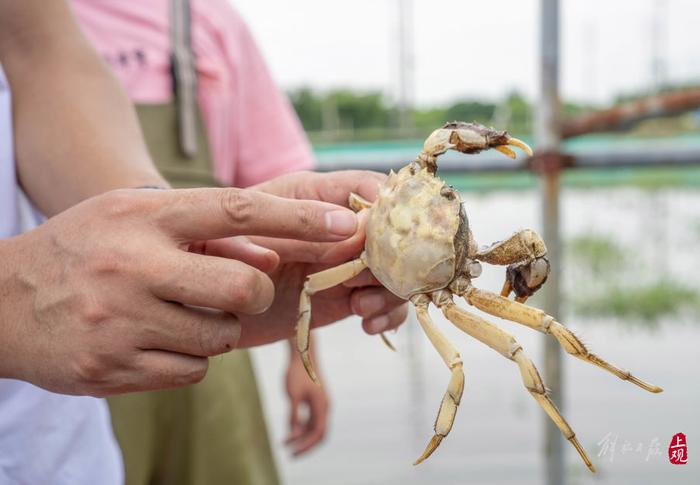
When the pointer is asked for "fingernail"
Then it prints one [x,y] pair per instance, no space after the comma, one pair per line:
[370,304]
[341,223]
[378,324]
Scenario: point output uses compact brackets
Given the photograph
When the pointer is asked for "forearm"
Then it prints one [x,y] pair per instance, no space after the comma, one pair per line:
[293,353]
[76,132]
[295,356]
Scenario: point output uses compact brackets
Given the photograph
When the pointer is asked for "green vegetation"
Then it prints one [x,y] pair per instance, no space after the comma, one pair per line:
[642,304]
[342,115]
[345,115]
[599,254]
[599,276]
[341,110]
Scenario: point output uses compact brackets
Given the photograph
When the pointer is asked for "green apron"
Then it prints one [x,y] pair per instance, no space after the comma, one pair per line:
[212,432]
[209,433]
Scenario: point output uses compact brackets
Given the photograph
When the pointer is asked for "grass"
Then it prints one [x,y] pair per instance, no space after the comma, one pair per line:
[645,303]
[600,254]
[606,264]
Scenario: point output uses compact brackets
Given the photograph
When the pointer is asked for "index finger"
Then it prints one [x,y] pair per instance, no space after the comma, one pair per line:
[334,187]
[210,213]
[318,252]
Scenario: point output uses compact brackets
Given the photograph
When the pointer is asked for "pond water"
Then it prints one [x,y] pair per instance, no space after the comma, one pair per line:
[384,403]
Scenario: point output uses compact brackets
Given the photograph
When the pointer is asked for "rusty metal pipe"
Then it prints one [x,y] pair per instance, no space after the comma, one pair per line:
[625,115]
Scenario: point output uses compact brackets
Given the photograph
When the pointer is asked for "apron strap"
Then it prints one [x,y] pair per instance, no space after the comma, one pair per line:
[184,76]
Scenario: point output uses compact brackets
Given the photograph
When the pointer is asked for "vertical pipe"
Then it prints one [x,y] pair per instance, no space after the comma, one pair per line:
[548,138]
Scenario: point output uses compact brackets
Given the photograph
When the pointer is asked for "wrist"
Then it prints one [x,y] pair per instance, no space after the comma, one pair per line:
[294,357]
[13,304]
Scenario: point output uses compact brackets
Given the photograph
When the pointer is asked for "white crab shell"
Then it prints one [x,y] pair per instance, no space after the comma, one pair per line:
[410,245]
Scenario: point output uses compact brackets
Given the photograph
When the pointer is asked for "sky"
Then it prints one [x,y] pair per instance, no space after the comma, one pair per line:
[475,49]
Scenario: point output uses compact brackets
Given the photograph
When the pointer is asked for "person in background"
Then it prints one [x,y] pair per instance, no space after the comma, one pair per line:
[126,288]
[205,433]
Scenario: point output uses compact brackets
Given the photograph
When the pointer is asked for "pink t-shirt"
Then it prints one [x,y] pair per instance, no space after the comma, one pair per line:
[253,132]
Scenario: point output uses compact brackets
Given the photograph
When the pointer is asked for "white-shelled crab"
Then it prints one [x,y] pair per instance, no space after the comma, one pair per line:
[420,246]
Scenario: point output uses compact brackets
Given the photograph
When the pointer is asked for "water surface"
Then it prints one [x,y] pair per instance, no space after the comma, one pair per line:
[384,404]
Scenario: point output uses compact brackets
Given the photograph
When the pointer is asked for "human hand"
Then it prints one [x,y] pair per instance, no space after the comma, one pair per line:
[105,297]
[380,309]
[308,408]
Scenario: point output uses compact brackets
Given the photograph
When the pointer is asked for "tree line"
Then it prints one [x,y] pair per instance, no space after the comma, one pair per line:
[344,114]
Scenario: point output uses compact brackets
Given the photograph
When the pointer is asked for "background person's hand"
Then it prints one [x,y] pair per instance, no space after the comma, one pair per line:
[105,297]
[308,408]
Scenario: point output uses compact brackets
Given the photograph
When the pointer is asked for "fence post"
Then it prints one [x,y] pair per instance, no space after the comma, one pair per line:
[548,140]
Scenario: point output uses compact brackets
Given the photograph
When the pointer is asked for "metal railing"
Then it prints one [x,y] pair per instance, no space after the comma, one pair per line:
[487,163]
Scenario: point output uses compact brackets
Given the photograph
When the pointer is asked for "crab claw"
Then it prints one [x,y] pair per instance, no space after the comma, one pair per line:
[506,151]
[525,278]
[471,138]
[518,143]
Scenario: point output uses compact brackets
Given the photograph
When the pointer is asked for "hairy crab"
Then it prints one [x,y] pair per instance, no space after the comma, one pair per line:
[420,246]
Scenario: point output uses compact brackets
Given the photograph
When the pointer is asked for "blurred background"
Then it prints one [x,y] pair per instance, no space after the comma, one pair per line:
[621,211]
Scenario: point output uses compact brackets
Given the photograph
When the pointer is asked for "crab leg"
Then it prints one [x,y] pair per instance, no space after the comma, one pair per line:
[537,319]
[450,401]
[520,246]
[525,253]
[507,346]
[314,283]
[358,203]
[505,291]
